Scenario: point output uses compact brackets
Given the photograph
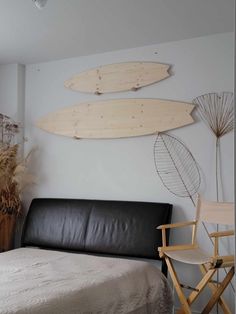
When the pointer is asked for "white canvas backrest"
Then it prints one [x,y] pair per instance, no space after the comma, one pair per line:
[215,212]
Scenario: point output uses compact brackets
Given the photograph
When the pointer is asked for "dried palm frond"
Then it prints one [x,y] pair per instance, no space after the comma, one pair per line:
[217,111]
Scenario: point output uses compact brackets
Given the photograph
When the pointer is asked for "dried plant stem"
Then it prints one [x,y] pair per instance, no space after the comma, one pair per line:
[217,112]
[217,199]
[217,167]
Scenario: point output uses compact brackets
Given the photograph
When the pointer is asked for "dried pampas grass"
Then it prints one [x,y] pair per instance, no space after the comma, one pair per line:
[8,159]
[13,179]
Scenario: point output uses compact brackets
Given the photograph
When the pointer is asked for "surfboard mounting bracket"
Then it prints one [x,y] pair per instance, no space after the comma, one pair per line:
[134,89]
[98,93]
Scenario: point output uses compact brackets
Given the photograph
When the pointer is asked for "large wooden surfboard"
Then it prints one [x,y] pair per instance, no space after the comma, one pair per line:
[118,118]
[118,77]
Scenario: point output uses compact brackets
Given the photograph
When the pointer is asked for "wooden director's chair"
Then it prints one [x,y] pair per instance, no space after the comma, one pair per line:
[211,212]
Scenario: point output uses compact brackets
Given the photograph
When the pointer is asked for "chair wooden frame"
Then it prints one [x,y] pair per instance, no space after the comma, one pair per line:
[208,269]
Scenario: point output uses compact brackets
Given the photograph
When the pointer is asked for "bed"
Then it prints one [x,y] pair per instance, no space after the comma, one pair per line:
[87,256]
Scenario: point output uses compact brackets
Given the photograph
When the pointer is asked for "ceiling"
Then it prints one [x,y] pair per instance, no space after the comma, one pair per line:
[70,28]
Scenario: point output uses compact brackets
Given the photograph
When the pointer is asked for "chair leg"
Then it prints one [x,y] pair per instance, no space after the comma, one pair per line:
[213,288]
[219,291]
[178,288]
[201,285]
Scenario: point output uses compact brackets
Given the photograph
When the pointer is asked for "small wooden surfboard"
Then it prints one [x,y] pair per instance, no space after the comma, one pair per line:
[118,77]
[118,118]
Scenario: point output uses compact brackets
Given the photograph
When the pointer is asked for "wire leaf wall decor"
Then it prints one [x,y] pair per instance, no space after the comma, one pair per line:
[176,166]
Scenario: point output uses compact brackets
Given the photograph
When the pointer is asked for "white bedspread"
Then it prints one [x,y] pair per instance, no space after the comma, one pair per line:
[50,282]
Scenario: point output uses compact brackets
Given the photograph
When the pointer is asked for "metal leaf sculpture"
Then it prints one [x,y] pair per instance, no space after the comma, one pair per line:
[176,166]
[217,111]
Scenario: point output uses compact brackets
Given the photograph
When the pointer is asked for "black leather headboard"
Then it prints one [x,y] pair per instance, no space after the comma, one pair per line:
[109,227]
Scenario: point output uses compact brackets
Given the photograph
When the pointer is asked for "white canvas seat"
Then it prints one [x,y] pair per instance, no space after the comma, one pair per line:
[190,256]
[211,212]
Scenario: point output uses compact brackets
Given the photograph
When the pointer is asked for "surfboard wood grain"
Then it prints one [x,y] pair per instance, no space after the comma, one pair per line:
[118,77]
[118,118]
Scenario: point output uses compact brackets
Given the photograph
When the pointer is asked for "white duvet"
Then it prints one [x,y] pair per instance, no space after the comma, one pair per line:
[50,282]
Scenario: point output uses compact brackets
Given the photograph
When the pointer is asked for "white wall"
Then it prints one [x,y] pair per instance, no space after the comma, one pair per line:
[8,89]
[123,169]
[12,94]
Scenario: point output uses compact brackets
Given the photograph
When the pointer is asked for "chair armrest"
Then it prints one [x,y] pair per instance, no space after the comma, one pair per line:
[222,261]
[164,248]
[177,247]
[222,234]
[177,225]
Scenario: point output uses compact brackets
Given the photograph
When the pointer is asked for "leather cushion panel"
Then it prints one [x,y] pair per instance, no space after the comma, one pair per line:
[111,227]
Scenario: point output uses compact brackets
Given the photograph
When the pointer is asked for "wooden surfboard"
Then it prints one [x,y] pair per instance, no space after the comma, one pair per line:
[118,118]
[118,77]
